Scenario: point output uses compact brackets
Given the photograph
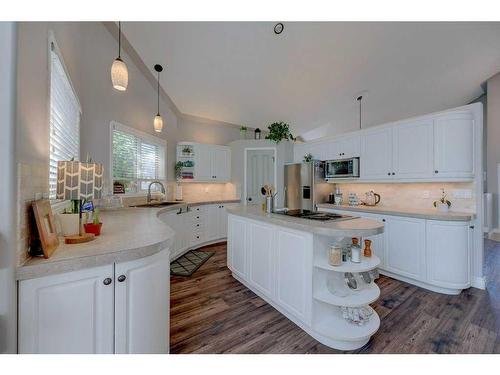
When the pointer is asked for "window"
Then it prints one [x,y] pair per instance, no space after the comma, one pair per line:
[138,158]
[65,111]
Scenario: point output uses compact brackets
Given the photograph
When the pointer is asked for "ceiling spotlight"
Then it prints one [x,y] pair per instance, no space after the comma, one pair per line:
[278,28]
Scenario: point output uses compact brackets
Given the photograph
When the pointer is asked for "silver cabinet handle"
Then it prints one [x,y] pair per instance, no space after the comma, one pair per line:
[121,278]
[107,281]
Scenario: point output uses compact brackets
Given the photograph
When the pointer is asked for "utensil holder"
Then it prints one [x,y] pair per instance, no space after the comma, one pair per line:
[269,205]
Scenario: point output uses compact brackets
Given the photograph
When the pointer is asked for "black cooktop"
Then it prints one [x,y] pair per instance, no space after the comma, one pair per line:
[314,215]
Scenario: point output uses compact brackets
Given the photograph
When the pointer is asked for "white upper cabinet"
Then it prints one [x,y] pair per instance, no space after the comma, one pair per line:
[376,154]
[412,153]
[344,148]
[454,145]
[212,163]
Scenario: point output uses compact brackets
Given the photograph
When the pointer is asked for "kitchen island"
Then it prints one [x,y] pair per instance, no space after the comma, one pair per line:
[283,259]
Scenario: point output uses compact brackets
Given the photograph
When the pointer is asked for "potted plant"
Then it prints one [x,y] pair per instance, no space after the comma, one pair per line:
[187,151]
[442,204]
[95,226]
[308,158]
[243,132]
[70,221]
[279,131]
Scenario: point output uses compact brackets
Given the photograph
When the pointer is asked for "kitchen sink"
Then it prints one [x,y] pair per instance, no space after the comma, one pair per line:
[158,204]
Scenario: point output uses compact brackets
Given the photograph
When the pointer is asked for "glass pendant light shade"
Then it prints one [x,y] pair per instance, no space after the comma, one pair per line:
[158,123]
[119,75]
[119,71]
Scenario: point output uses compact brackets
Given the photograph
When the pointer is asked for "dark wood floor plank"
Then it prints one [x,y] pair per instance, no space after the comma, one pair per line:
[211,312]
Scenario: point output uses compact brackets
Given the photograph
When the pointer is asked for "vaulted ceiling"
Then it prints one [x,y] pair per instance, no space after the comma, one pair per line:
[310,75]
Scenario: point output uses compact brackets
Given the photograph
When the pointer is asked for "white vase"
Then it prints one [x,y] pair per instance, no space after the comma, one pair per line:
[178,192]
[70,224]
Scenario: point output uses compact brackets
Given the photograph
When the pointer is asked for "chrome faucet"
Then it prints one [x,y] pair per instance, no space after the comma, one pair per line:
[148,199]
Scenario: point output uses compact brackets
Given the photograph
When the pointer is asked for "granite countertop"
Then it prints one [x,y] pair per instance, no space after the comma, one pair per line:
[429,213]
[127,234]
[343,228]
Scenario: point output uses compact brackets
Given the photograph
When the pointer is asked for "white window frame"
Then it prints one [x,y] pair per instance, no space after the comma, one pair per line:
[140,134]
[52,42]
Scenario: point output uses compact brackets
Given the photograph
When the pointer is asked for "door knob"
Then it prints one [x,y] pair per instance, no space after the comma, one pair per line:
[436,171]
[107,281]
[249,199]
[121,278]
[388,173]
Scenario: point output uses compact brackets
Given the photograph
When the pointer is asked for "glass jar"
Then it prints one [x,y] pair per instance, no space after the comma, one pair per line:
[335,255]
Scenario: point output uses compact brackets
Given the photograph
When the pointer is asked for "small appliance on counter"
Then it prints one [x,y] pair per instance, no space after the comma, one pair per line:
[371,198]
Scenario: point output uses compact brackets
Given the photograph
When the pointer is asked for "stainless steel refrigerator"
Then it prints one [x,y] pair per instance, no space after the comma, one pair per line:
[305,186]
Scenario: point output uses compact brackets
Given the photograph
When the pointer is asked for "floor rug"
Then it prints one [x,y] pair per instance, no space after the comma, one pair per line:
[187,264]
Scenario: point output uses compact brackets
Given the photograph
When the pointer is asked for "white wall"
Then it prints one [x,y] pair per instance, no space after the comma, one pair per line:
[8,311]
[493,143]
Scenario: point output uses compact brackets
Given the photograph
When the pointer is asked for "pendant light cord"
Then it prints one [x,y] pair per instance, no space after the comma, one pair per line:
[158,96]
[119,38]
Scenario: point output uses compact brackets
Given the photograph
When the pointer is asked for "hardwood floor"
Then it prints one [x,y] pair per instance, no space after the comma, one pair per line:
[211,312]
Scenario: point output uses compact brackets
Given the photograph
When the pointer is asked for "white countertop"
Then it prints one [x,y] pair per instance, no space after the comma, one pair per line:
[343,228]
[127,234]
[424,213]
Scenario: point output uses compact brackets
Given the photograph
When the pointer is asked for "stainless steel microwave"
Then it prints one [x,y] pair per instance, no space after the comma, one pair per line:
[342,168]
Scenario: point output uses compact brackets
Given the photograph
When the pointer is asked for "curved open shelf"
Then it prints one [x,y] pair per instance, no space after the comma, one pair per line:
[368,294]
[334,326]
[366,264]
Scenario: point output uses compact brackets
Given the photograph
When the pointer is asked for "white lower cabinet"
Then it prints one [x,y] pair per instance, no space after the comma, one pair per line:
[142,304]
[260,257]
[293,267]
[67,313]
[448,258]
[405,250]
[435,254]
[273,261]
[91,311]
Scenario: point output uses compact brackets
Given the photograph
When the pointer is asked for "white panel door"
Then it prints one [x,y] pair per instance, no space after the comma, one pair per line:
[376,154]
[67,313]
[294,273]
[261,257]
[454,145]
[259,172]
[221,167]
[448,254]
[237,246]
[142,298]
[405,250]
[203,162]
[413,150]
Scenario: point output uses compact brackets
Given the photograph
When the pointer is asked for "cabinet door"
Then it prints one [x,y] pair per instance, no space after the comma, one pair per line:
[142,302]
[376,154]
[236,243]
[221,163]
[454,146]
[202,162]
[261,257]
[67,313]
[350,146]
[413,150]
[405,251]
[378,241]
[213,218]
[448,255]
[294,273]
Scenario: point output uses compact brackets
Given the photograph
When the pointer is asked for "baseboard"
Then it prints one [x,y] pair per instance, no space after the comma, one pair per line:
[479,282]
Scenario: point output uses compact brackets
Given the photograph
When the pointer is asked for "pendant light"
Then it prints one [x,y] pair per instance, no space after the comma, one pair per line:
[119,71]
[158,121]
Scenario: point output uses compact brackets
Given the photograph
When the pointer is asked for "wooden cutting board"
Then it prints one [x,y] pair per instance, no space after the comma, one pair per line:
[46,226]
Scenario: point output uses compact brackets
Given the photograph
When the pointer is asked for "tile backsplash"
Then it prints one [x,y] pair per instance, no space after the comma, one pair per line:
[416,195]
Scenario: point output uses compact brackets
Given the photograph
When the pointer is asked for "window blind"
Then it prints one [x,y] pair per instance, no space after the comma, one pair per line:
[64,142]
[137,158]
